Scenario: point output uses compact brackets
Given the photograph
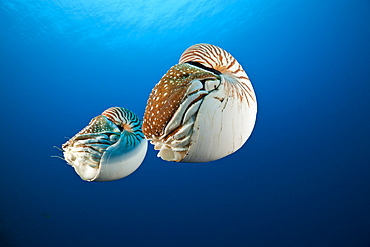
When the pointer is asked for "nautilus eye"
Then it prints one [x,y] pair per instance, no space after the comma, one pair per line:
[111,147]
[203,108]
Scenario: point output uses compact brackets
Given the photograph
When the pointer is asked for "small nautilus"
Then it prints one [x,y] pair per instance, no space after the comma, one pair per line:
[111,147]
[203,108]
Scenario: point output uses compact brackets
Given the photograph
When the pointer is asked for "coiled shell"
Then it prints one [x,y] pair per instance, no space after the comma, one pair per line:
[111,147]
[203,108]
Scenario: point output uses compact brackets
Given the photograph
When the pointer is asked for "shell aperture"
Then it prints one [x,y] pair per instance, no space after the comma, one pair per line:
[111,147]
[202,109]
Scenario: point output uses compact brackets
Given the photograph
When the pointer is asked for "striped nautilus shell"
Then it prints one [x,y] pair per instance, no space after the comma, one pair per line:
[203,108]
[111,147]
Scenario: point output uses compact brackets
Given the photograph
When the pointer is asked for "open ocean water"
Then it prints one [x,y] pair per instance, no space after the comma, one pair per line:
[302,178]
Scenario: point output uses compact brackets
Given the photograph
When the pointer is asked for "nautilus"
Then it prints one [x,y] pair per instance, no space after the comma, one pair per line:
[110,147]
[202,109]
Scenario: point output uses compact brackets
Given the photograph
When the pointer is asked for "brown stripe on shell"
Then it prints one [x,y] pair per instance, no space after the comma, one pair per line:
[116,115]
[217,58]
[167,96]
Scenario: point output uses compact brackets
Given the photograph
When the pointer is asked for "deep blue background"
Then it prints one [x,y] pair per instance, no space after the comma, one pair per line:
[302,179]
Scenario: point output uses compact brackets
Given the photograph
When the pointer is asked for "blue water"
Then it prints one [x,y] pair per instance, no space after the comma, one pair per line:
[302,179]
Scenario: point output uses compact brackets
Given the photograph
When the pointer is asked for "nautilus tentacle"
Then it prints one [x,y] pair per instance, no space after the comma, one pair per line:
[203,108]
[111,147]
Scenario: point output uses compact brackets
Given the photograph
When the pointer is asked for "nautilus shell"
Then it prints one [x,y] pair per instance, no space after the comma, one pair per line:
[203,108]
[111,147]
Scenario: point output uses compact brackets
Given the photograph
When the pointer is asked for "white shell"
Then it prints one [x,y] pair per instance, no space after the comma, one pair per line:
[202,109]
[221,127]
[111,147]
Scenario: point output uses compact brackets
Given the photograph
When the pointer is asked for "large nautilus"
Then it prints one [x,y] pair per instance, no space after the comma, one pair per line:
[111,147]
[203,108]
